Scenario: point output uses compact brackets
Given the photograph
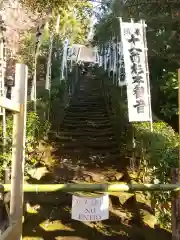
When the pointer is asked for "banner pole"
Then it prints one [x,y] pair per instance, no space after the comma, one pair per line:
[147,74]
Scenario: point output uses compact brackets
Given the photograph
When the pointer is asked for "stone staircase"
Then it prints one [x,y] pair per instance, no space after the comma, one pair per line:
[86,141]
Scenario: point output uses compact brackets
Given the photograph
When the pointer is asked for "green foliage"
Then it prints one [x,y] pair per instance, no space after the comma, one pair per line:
[74,25]
[158,153]
[155,152]
[160,148]
[169,94]
[5,158]
[35,131]
[163,32]
[27,50]
[74,20]
[162,24]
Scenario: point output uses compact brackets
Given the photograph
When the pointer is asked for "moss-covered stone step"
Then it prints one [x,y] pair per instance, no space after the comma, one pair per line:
[70,134]
[85,125]
[104,152]
[86,115]
[86,121]
[86,108]
[101,145]
[89,113]
[99,156]
[68,138]
[86,141]
[90,131]
[86,118]
[77,109]
[88,102]
[87,130]
[94,134]
[89,145]
[70,145]
[88,99]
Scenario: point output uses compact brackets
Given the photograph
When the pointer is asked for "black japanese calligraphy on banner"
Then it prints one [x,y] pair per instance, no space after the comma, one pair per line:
[138,91]
[106,56]
[135,64]
[72,53]
[137,71]
[111,56]
[120,65]
[140,104]
[41,68]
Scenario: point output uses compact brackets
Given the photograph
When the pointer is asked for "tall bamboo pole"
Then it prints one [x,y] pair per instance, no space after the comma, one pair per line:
[87,187]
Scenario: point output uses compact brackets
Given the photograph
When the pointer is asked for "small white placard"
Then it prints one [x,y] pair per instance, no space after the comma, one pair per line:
[90,209]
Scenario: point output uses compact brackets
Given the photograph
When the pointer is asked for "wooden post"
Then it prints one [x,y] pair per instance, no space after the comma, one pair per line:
[179,119]
[1,209]
[175,179]
[19,94]
[175,219]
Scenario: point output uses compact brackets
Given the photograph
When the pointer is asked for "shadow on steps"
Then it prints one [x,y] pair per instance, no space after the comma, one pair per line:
[86,150]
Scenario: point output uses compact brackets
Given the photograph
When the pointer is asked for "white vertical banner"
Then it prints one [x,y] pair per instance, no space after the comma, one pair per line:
[64,58]
[108,58]
[69,56]
[139,106]
[105,57]
[121,69]
[96,57]
[48,74]
[115,58]
[101,57]
[114,62]
[71,65]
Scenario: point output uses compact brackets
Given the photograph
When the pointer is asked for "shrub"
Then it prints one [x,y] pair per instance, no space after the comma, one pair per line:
[156,152]
[35,131]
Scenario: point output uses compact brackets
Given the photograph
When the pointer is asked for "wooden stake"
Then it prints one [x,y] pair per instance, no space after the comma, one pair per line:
[175,208]
[176,179]
[179,119]
[1,209]
[19,94]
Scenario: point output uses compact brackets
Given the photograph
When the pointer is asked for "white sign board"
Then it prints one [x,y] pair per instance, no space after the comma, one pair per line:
[90,209]
[136,69]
